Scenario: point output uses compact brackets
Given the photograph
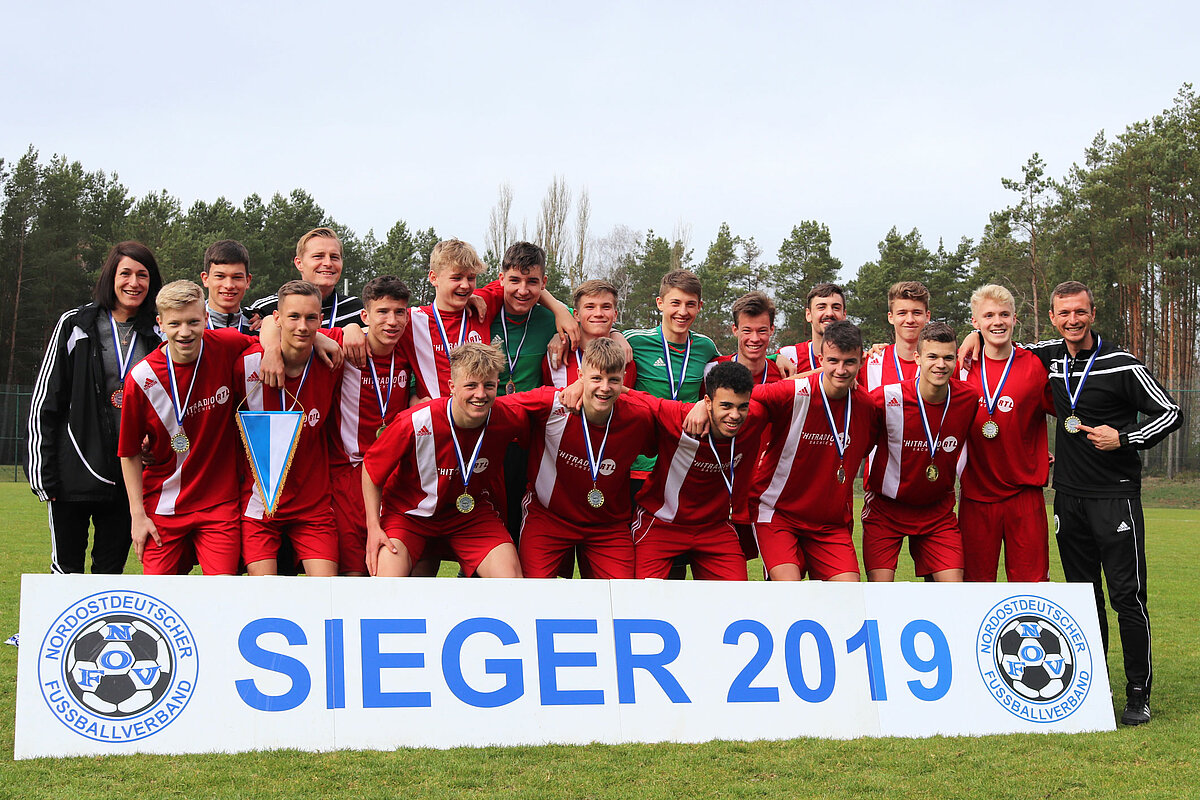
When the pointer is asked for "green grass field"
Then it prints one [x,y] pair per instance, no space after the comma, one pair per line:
[1161,760]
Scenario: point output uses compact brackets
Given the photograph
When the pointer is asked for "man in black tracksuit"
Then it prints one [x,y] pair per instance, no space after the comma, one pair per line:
[1097,474]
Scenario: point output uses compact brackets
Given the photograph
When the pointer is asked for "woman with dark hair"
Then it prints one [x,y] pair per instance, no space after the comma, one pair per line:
[75,414]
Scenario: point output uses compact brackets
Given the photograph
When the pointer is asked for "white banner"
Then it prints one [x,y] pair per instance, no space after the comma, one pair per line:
[190,664]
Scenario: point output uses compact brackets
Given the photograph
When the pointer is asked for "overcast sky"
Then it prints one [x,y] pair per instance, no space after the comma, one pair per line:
[860,115]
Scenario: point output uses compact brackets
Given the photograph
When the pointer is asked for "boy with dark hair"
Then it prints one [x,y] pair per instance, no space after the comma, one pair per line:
[369,399]
[908,311]
[753,325]
[822,427]
[910,489]
[825,304]
[226,276]
[303,512]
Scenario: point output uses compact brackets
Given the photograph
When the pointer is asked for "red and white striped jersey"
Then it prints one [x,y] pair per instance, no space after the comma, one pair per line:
[772,373]
[204,476]
[797,474]
[560,475]
[688,485]
[881,369]
[567,371]
[899,466]
[422,346]
[802,355]
[366,401]
[313,392]
[1018,457]
[414,461]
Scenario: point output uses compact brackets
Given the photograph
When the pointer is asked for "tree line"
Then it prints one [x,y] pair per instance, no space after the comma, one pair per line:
[1123,220]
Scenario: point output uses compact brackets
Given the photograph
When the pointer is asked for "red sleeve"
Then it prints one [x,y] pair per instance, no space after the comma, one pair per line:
[631,374]
[133,419]
[493,295]
[777,397]
[337,334]
[231,338]
[384,454]
[547,378]
[646,400]
[535,402]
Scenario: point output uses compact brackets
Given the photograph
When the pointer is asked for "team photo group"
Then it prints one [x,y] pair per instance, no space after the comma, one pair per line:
[522,435]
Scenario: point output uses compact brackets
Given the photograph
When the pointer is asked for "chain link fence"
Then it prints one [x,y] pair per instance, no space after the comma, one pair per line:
[14,425]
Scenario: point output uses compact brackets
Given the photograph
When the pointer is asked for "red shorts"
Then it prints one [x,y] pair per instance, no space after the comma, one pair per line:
[312,535]
[350,518]
[932,532]
[1019,522]
[746,541]
[713,550]
[821,553]
[468,538]
[212,537]
[546,540]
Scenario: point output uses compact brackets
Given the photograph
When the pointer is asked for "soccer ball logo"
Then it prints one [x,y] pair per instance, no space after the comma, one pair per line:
[1034,658]
[119,666]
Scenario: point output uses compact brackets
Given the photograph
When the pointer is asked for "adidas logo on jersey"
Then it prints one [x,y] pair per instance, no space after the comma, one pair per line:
[253,378]
[659,363]
[1122,528]
[803,390]
[893,402]
[424,431]
[149,382]
[561,411]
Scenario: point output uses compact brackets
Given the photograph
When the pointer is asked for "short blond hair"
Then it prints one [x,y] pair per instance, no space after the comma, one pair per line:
[605,355]
[475,360]
[994,292]
[178,294]
[317,233]
[451,253]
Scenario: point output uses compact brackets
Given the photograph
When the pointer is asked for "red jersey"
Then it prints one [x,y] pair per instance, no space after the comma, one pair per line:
[367,399]
[422,345]
[416,464]
[802,355]
[883,369]
[203,476]
[689,483]
[312,391]
[797,474]
[560,474]
[1017,457]
[567,372]
[900,464]
[769,374]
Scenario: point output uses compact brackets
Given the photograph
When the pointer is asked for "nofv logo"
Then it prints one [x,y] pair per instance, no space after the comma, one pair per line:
[117,666]
[1034,658]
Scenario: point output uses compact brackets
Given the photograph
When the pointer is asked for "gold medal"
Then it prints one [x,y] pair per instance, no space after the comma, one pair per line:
[465,503]
[117,398]
[595,498]
[379,431]
[510,388]
[841,474]
[990,429]
[931,473]
[1072,423]
[180,443]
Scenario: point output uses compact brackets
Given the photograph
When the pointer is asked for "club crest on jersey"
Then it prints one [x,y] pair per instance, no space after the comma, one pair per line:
[1034,658]
[314,417]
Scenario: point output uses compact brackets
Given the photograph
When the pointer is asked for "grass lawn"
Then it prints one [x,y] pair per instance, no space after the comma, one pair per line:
[1161,760]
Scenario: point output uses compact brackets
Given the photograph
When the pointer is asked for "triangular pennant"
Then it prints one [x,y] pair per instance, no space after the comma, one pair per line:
[270,438]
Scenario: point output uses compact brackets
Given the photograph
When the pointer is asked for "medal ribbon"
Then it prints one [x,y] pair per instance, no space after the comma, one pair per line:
[123,359]
[991,398]
[462,329]
[465,469]
[812,358]
[383,404]
[595,457]
[732,449]
[687,353]
[512,362]
[283,406]
[933,443]
[181,411]
[896,361]
[765,368]
[1087,370]
[838,441]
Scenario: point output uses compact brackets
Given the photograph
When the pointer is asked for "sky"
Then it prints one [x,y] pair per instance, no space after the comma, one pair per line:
[862,116]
